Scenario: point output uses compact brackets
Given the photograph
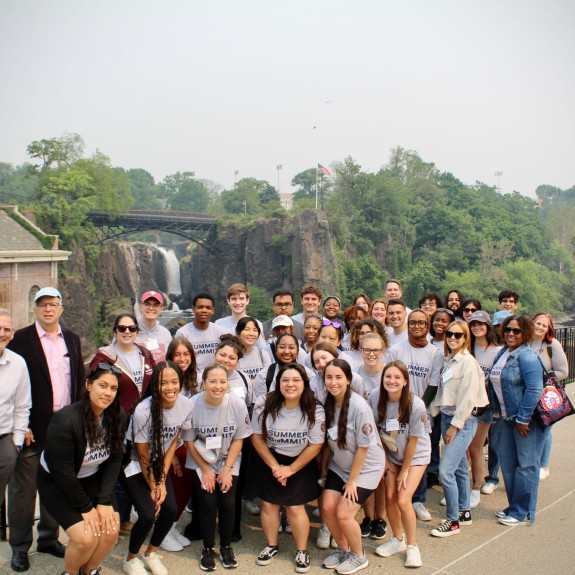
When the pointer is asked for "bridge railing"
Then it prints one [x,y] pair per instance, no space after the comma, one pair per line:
[566,335]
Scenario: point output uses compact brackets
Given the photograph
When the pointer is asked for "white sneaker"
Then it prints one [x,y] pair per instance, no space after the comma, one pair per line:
[413,557]
[391,547]
[488,488]
[443,502]
[170,543]
[474,498]
[421,511]
[315,512]
[154,564]
[333,543]
[181,539]
[543,473]
[323,537]
[134,567]
[252,507]
[352,564]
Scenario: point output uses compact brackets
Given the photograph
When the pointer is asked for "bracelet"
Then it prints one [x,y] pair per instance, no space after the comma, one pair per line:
[230,466]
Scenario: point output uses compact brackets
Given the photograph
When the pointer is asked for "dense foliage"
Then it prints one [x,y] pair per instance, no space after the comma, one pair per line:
[408,220]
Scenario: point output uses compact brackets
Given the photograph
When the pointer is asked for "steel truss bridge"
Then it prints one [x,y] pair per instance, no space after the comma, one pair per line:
[198,228]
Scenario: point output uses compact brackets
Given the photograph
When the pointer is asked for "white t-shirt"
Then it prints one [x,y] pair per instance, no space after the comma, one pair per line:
[290,433]
[395,339]
[424,365]
[399,433]
[179,417]
[361,432]
[495,378]
[204,423]
[204,341]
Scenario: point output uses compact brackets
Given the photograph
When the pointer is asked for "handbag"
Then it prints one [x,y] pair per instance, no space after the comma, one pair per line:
[554,404]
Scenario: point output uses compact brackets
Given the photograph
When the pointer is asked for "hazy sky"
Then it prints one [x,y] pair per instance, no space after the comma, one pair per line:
[215,86]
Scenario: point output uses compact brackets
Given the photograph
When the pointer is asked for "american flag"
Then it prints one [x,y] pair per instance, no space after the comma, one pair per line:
[323,170]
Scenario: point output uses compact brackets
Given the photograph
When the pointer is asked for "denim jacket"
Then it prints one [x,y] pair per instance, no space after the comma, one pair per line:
[521,384]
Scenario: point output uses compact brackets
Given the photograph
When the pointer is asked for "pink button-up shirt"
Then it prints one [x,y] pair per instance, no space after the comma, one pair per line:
[58,359]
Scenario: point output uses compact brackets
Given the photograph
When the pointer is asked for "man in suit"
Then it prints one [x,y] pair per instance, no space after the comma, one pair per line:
[54,359]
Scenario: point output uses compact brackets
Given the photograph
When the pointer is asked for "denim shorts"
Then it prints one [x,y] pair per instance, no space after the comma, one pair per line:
[486,417]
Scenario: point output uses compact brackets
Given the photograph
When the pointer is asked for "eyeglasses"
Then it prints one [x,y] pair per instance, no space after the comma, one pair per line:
[125,328]
[417,323]
[105,367]
[513,330]
[287,304]
[48,305]
[507,300]
[368,351]
[469,309]
[456,334]
[335,324]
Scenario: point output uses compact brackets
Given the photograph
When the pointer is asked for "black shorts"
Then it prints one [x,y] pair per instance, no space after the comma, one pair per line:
[56,502]
[334,482]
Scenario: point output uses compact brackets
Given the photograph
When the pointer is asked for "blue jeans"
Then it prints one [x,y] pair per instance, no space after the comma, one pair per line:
[520,457]
[492,451]
[546,454]
[453,468]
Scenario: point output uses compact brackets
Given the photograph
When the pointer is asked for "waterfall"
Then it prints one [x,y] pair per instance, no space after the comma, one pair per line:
[172,271]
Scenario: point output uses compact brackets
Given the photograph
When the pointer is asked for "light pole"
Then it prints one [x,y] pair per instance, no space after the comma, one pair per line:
[498,174]
[236,172]
[278,168]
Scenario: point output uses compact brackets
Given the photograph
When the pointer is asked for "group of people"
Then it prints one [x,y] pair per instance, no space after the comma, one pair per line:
[362,408]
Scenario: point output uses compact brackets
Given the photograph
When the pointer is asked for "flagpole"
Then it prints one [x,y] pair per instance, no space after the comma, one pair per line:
[316,186]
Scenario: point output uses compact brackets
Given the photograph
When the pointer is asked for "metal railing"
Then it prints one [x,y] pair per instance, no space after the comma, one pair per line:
[566,335]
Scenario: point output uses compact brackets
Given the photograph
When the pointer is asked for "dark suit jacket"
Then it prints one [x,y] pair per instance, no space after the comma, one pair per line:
[27,344]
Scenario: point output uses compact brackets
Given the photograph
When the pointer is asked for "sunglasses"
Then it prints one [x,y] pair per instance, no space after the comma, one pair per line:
[125,328]
[335,324]
[513,330]
[105,367]
[456,334]
[469,309]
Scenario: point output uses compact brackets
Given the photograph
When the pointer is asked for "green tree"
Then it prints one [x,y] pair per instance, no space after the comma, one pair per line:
[144,190]
[249,196]
[185,193]
[56,152]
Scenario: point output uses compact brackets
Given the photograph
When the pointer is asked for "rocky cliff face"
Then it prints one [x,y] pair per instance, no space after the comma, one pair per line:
[270,253]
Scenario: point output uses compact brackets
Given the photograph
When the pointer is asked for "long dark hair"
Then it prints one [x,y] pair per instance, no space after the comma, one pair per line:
[490,336]
[329,404]
[156,464]
[404,400]
[111,432]
[190,376]
[275,399]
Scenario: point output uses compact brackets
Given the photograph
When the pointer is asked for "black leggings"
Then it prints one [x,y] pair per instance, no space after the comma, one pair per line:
[139,493]
[216,504]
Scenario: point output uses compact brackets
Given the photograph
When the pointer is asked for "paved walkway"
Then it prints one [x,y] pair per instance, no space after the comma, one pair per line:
[484,548]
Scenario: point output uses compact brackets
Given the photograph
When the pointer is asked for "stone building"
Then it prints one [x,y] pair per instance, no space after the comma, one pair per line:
[26,265]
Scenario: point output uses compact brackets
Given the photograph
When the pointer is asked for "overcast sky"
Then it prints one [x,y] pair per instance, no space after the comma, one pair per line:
[215,86]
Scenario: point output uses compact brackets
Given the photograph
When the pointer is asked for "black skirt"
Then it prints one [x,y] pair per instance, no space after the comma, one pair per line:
[301,488]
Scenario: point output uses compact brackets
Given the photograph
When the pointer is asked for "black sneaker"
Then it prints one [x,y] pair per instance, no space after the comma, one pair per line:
[446,529]
[208,560]
[228,558]
[365,527]
[267,554]
[302,562]
[465,517]
[378,529]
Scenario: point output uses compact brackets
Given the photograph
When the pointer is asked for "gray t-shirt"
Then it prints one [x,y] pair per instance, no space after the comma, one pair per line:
[156,340]
[361,432]
[424,365]
[290,433]
[229,326]
[134,360]
[253,362]
[204,341]
[260,389]
[485,358]
[205,420]
[318,387]
[370,381]
[399,433]
[179,417]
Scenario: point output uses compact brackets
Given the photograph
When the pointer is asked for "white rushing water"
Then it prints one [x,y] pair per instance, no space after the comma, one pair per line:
[173,271]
